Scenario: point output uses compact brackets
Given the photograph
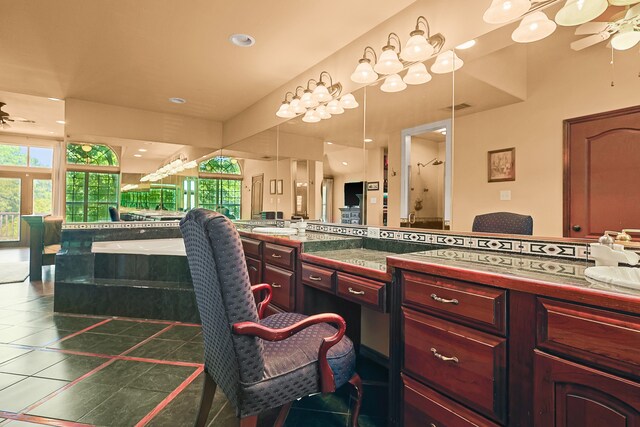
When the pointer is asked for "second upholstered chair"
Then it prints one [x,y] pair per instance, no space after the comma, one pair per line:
[503,223]
[258,363]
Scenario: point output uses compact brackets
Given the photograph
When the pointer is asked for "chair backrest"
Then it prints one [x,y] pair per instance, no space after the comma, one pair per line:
[114,214]
[223,293]
[504,223]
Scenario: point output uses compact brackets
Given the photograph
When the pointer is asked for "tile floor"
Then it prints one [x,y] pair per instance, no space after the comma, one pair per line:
[69,370]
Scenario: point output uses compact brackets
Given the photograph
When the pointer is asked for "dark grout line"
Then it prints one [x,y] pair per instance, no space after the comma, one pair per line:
[82,331]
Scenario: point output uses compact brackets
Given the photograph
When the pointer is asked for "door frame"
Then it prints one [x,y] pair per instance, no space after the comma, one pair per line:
[566,158]
[254,179]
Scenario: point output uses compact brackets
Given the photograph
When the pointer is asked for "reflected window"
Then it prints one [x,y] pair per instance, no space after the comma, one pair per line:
[220,186]
[221,165]
[91,154]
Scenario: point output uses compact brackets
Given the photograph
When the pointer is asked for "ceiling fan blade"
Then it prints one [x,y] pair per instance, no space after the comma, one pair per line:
[20,119]
[622,2]
[591,28]
[589,41]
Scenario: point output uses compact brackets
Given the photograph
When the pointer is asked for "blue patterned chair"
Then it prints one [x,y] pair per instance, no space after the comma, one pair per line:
[258,363]
[503,223]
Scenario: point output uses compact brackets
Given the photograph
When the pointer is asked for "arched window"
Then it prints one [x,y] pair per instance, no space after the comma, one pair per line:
[91,154]
[92,182]
[220,186]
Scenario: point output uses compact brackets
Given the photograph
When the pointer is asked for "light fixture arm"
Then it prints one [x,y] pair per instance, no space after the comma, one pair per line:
[437,41]
[285,96]
[325,73]
[422,20]
[296,92]
[364,55]
[396,38]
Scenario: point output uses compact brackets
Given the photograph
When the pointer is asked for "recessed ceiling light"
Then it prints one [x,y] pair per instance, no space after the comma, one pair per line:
[368,140]
[142,150]
[54,99]
[242,40]
[51,132]
[466,45]
[137,155]
[329,142]
[345,163]
[60,122]
[177,100]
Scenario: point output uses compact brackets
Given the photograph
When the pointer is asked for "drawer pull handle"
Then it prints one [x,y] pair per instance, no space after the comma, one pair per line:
[251,267]
[276,256]
[443,358]
[355,292]
[444,301]
[315,278]
[275,285]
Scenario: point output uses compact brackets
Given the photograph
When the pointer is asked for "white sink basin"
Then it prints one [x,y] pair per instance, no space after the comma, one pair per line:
[284,231]
[628,277]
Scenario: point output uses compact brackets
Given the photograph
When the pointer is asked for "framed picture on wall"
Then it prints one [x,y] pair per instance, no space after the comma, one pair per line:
[502,165]
[373,186]
[272,186]
[280,186]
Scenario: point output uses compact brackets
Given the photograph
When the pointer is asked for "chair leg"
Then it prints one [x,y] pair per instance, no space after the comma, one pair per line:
[282,416]
[249,421]
[356,382]
[208,392]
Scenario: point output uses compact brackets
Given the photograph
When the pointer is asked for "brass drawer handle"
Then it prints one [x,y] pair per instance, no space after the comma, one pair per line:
[444,301]
[276,256]
[251,267]
[275,285]
[315,278]
[355,292]
[443,358]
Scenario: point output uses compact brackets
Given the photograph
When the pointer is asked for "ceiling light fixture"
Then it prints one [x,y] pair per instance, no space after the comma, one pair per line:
[466,45]
[535,26]
[447,62]
[242,40]
[418,47]
[364,72]
[137,155]
[576,12]
[311,116]
[368,140]
[86,147]
[142,150]
[345,163]
[177,100]
[417,74]
[323,113]
[393,83]
[54,99]
[349,102]
[328,142]
[173,167]
[334,107]
[503,11]
[60,122]
[627,38]
[388,62]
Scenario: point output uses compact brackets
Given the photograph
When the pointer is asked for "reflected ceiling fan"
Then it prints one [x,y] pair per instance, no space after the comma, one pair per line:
[6,118]
[623,28]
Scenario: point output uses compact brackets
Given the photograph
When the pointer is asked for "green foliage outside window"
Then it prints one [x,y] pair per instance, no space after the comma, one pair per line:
[222,195]
[99,155]
[222,165]
[89,195]
[9,209]
[13,155]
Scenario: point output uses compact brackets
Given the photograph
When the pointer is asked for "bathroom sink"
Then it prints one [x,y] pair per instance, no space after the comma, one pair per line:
[284,231]
[628,277]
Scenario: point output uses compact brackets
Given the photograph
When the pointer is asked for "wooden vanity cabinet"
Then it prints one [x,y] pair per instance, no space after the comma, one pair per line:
[253,255]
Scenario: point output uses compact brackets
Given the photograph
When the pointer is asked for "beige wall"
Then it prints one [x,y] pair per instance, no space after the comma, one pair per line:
[271,169]
[375,173]
[559,88]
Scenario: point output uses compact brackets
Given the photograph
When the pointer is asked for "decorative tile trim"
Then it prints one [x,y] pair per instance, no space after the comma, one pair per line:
[120,225]
[338,229]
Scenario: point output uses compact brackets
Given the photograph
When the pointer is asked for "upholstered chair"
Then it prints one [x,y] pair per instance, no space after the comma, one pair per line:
[503,223]
[114,214]
[259,363]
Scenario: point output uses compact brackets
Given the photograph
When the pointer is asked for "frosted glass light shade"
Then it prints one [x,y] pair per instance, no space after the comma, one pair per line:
[502,11]
[417,74]
[393,83]
[388,63]
[323,113]
[348,101]
[334,107]
[533,27]
[321,93]
[296,106]
[285,112]
[311,116]
[364,73]
[447,62]
[626,38]
[417,49]
[308,100]
[622,2]
[576,12]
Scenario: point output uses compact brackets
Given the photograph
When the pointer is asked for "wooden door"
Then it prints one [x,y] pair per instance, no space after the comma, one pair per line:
[602,173]
[571,395]
[257,184]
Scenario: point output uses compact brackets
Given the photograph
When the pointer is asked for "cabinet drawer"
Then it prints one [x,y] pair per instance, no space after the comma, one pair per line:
[283,284]
[603,338]
[425,407]
[468,303]
[363,291]
[254,267]
[252,247]
[282,256]
[467,364]
[318,277]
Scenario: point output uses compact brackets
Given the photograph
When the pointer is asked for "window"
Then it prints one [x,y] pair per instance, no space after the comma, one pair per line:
[13,155]
[42,195]
[40,157]
[220,186]
[91,154]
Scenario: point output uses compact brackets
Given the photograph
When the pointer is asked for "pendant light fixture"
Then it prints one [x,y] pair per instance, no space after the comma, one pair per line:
[388,63]
[576,12]
[533,27]
[418,47]
[364,71]
[446,62]
[626,38]
[417,74]
[393,83]
[349,101]
[503,11]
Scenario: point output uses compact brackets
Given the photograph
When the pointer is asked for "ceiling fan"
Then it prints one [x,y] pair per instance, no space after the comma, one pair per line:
[623,28]
[5,118]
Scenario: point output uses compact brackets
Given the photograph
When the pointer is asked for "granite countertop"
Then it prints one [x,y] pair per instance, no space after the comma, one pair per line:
[368,258]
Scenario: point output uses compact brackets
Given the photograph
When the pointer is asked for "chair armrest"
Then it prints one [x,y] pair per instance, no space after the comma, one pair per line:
[327,381]
[262,305]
